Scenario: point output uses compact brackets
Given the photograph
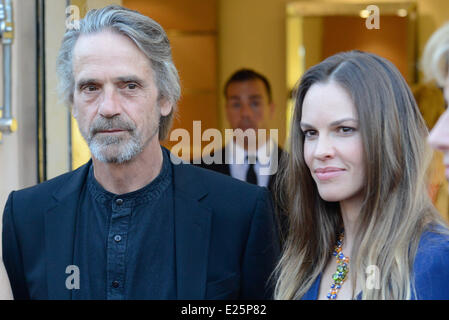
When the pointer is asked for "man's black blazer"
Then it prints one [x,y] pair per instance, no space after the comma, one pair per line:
[226,243]
[281,218]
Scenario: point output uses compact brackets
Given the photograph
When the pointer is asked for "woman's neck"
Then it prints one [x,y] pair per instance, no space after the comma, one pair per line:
[350,212]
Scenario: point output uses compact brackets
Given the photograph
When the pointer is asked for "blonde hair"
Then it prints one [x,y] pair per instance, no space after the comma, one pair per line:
[435,60]
[396,208]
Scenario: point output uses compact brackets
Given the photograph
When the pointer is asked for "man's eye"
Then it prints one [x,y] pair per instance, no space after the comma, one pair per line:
[90,88]
[131,86]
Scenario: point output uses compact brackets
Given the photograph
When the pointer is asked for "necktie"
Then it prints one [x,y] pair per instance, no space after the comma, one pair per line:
[251,176]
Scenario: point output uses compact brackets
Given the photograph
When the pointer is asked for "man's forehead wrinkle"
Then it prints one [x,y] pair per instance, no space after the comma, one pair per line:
[107,43]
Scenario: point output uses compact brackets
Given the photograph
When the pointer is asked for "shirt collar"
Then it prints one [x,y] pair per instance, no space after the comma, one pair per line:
[235,154]
[151,191]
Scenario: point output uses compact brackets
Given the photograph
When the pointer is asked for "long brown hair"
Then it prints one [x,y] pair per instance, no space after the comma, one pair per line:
[396,207]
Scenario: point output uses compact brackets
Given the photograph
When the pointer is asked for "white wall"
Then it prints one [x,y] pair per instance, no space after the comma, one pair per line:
[18,161]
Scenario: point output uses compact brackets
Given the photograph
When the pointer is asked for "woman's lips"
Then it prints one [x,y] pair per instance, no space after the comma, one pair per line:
[328,173]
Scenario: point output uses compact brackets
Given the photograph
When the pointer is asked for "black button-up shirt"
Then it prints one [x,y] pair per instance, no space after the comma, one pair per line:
[124,246]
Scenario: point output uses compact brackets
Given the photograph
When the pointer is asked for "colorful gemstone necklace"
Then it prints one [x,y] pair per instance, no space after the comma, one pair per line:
[339,277]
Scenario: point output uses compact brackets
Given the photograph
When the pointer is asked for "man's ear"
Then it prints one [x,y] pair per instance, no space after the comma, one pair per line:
[165,107]
[272,107]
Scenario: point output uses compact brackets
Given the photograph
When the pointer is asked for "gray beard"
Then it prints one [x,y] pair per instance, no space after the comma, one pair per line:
[117,148]
[124,150]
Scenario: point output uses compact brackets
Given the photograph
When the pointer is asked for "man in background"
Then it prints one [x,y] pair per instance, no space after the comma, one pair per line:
[252,155]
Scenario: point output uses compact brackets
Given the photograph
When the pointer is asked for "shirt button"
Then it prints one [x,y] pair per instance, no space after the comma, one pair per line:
[119,202]
[115,284]
[117,238]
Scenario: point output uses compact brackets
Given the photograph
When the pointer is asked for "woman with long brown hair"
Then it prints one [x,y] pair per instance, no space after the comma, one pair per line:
[361,224]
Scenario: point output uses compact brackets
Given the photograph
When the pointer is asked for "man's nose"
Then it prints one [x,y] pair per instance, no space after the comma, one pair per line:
[246,110]
[110,104]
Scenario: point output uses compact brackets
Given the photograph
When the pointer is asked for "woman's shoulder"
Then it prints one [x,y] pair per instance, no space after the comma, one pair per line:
[431,267]
[434,240]
[433,247]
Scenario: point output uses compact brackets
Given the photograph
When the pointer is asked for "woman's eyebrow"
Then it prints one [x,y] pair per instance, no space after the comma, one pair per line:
[334,123]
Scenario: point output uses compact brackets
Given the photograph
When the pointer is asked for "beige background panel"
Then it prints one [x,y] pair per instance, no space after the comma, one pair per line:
[347,33]
[195,57]
[312,40]
[180,15]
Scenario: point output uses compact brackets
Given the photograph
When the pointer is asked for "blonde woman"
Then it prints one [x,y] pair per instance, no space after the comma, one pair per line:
[361,225]
[436,66]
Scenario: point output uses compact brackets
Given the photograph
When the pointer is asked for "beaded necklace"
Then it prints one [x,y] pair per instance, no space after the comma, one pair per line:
[339,276]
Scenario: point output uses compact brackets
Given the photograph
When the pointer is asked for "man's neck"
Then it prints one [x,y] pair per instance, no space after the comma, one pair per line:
[133,175]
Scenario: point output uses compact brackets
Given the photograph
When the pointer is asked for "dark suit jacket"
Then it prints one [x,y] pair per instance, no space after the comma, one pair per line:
[281,219]
[226,245]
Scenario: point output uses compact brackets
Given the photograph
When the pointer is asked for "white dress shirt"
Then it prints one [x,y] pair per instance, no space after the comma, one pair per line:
[236,157]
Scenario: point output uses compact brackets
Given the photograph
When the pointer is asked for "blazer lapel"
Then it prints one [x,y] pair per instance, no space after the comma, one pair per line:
[192,234]
[221,167]
[225,166]
[60,223]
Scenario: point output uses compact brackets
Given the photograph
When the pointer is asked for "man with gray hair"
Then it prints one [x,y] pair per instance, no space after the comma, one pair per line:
[130,224]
